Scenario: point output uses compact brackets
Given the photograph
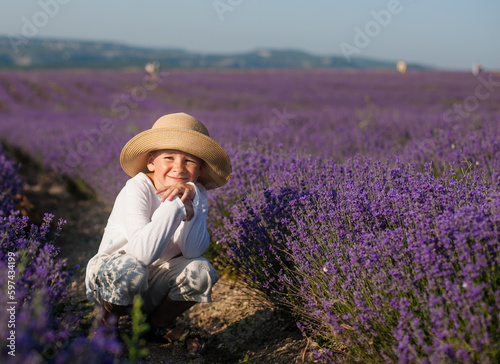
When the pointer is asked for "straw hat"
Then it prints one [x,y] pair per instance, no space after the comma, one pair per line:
[182,132]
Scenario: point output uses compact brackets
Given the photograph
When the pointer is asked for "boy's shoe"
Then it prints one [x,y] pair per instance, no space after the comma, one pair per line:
[199,348]
[174,334]
[159,335]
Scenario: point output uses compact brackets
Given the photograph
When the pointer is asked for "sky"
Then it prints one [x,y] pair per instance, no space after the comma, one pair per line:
[446,34]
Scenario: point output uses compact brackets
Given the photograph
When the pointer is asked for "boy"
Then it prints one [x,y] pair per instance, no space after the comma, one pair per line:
[156,233]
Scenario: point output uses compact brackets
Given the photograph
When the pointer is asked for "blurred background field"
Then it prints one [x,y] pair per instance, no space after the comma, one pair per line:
[76,121]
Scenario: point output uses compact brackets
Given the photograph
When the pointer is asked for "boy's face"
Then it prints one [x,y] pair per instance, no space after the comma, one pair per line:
[173,166]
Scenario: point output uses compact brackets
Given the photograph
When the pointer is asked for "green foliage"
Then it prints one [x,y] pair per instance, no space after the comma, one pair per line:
[245,360]
[134,342]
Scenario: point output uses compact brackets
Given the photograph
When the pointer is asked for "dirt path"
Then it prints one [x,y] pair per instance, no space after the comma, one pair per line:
[239,326]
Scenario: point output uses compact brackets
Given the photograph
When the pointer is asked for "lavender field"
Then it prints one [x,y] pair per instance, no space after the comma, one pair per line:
[367,203]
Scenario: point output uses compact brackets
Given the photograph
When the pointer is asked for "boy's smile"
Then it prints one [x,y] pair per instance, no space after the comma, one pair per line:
[171,167]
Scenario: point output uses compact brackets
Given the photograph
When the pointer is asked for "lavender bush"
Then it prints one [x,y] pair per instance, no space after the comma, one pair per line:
[36,325]
[393,264]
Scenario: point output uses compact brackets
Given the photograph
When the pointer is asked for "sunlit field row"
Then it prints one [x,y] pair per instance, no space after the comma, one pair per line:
[366,203]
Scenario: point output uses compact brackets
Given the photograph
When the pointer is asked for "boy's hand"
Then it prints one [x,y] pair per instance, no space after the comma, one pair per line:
[182,190]
[188,204]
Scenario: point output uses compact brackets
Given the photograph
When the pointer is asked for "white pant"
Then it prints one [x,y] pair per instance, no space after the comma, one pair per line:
[118,277]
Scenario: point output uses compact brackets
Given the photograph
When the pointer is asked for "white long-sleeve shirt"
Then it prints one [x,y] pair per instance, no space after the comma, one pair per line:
[154,231]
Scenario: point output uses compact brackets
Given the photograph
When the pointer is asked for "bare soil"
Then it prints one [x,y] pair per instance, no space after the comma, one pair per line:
[240,326]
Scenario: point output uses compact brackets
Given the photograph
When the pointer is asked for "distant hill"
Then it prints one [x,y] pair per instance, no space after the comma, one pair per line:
[21,53]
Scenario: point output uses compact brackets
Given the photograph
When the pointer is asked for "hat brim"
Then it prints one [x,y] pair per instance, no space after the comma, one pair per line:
[215,172]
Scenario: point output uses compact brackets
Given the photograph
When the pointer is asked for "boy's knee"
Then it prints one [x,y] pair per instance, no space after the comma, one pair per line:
[118,280]
[202,275]
[140,276]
